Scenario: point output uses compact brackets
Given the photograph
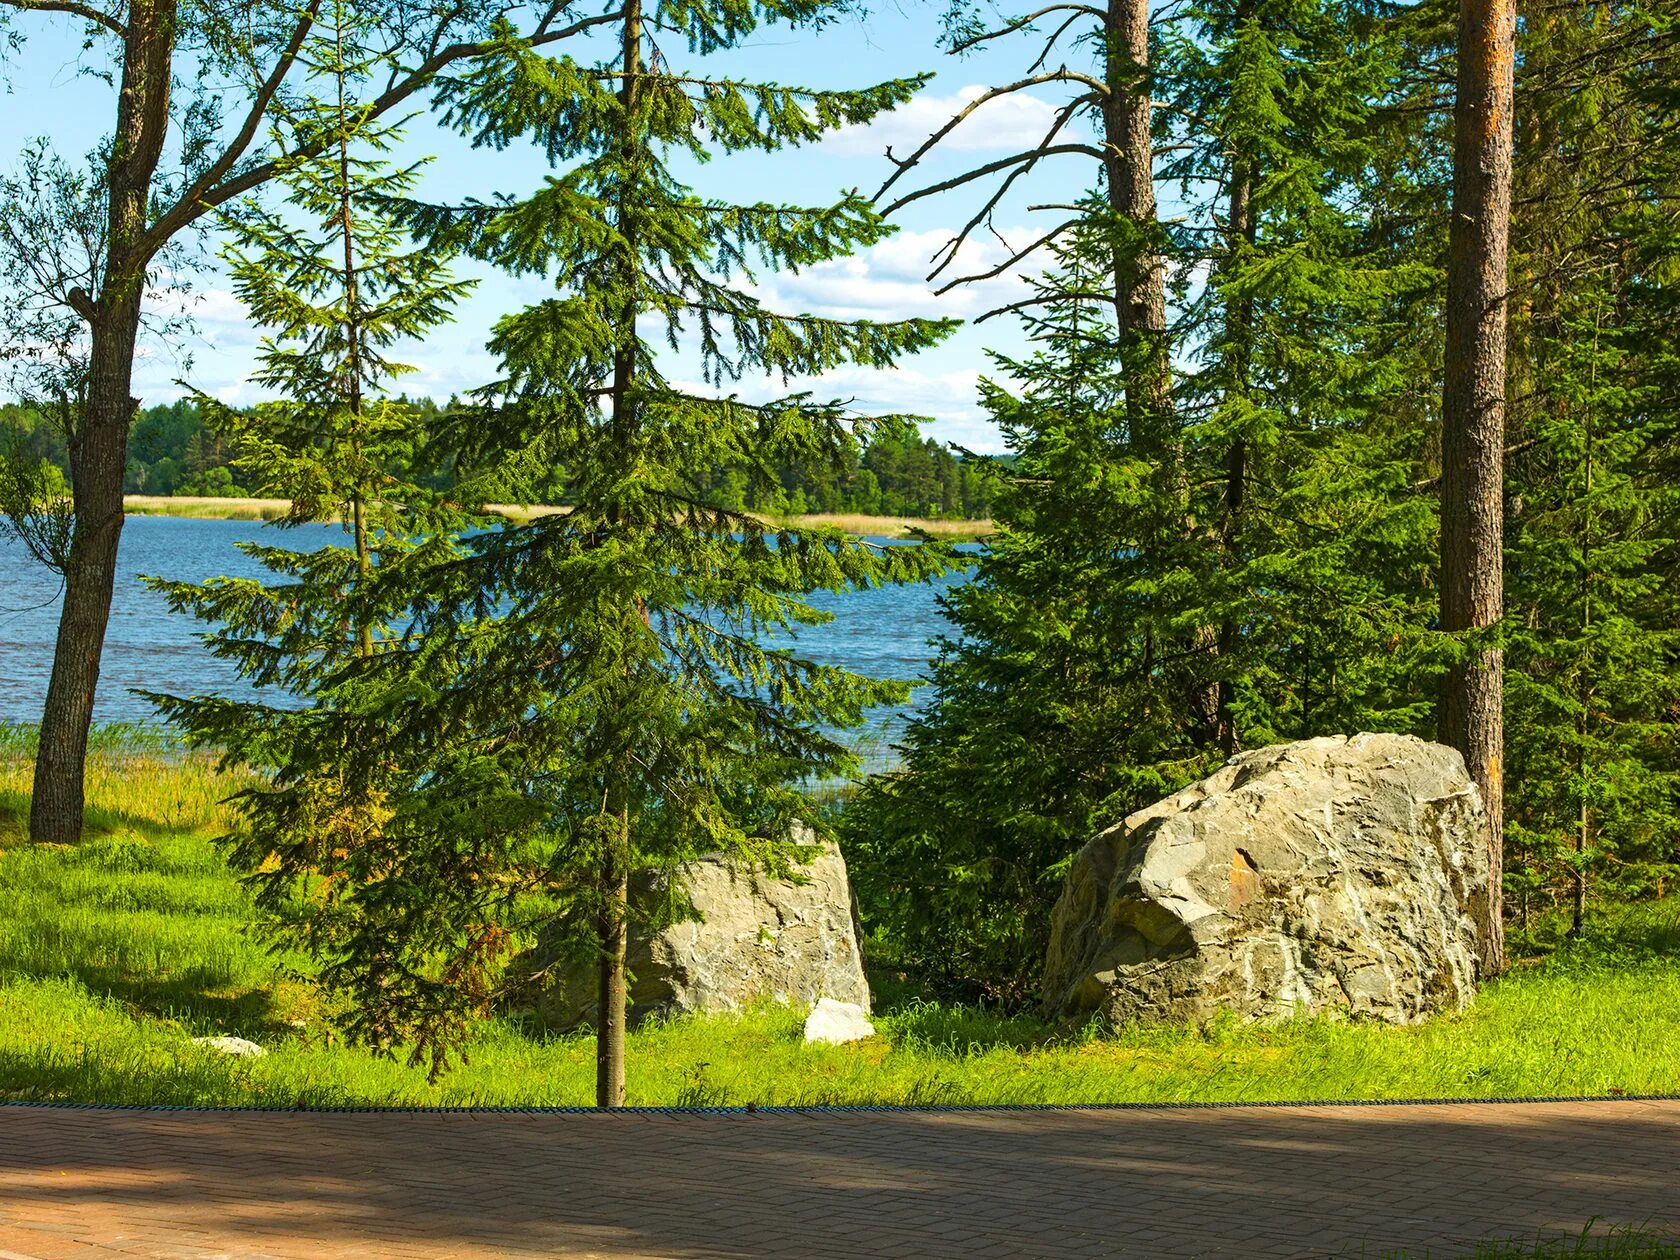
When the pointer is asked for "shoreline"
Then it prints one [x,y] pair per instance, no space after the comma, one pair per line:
[200,508]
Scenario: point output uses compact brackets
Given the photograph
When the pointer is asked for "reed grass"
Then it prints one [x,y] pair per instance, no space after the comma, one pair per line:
[204,508]
[945,528]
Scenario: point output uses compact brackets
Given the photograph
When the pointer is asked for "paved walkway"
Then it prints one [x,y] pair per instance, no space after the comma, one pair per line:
[1244,1182]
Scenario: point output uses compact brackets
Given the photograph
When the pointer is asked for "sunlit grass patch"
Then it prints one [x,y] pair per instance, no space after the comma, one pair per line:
[115,952]
[1594,1243]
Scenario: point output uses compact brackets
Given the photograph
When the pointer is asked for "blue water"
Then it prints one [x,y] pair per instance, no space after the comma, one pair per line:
[881,633]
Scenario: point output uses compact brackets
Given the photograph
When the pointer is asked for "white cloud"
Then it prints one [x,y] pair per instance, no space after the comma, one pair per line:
[889,279]
[1006,124]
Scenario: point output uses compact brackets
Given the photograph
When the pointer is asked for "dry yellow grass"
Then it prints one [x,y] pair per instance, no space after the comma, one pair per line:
[272,509]
[205,508]
[888,526]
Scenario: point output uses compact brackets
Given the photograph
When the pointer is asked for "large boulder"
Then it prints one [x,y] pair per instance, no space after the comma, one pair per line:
[1334,875]
[757,938]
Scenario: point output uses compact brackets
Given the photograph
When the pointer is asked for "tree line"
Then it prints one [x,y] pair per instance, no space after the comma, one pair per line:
[891,471]
[1374,430]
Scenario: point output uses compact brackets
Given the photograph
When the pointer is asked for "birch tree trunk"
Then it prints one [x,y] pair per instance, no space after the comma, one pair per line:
[99,439]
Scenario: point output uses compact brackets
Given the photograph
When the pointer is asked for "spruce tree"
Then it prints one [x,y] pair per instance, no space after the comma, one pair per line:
[1282,557]
[1593,695]
[336,286]
[606,691]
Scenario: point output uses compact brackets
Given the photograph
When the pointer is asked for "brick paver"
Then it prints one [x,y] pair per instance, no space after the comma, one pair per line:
[1245,1182]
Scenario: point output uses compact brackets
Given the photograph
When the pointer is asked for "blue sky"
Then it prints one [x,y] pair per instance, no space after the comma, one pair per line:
[51,95]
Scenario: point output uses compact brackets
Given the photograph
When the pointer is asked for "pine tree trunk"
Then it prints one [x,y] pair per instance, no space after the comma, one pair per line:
[613,995]
[1141,307]
[1473,416]
[1139,278]
[1240,231]
[99,441]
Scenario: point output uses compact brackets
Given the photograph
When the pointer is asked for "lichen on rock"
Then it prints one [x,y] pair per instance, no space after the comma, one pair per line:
[1334,875]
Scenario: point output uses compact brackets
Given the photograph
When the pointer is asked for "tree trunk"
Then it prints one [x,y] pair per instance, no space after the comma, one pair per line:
[99,440]
[1139,277]
[613,995]
[98,451]
[1240,231]
[1473,416]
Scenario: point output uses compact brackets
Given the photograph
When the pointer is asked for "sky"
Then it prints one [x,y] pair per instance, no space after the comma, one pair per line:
[52,95]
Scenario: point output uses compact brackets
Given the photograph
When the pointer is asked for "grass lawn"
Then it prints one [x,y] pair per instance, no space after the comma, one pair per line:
[114,953]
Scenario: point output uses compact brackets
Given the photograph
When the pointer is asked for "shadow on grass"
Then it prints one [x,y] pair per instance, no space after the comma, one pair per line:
[198,999]
[1622,933]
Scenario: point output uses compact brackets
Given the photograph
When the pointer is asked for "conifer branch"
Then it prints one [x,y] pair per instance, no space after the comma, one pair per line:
[186,212]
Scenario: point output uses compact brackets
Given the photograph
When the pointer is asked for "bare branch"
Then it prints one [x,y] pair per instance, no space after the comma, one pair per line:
[179,215]
[85,11]
[952,247]
[1064,75]
[1031,155]
[1018,23]
[1009,262]
[1050,45]
[1042,299]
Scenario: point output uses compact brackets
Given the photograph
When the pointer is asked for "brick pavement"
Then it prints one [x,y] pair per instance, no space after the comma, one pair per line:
[1244,1182]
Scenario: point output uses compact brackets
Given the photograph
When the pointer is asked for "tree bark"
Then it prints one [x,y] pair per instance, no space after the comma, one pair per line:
[1240,231]
[1473,417]
[99,441]
[613,993]
[1139,275]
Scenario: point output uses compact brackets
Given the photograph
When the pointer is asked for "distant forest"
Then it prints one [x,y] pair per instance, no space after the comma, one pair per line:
[896,472]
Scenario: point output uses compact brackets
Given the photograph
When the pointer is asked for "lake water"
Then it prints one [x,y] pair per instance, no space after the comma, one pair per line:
[882,633]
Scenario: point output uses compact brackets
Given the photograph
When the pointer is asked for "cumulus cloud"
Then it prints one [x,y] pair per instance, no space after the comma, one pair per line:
[889,279]
[1007,124]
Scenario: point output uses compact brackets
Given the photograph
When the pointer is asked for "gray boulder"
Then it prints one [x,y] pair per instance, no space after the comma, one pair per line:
[1334,875]
[758,938]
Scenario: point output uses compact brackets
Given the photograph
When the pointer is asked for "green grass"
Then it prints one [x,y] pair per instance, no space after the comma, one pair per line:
[1612,1244]
[115,952]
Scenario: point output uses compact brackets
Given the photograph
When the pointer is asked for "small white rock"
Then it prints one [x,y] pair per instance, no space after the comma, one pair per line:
[232,1045]
[837,1022]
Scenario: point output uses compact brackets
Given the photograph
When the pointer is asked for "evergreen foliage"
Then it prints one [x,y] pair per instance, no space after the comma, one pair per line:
[335,285]
[610,689]
[1283,568]
[1593,706]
